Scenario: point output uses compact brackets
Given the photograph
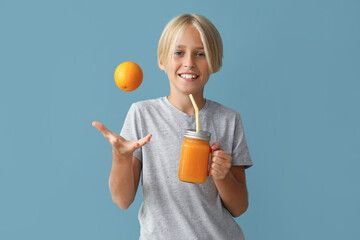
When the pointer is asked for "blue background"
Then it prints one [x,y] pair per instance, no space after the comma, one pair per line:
[291,69]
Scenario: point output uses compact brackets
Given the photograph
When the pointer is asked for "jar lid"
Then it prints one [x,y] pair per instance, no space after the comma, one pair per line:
[199,135]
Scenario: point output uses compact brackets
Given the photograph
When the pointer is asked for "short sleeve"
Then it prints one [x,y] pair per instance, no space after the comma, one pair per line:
[240,150]
[131,129]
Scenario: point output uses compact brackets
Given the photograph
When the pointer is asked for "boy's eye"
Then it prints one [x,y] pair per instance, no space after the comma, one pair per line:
[178,53]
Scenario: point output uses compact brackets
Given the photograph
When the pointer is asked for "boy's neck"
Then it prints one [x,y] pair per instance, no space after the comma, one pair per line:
[183,102]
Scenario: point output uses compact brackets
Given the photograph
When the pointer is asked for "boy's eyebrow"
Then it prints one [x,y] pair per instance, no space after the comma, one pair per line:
[183,46]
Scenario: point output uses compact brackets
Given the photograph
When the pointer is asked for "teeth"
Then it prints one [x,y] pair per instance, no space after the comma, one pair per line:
[188,76]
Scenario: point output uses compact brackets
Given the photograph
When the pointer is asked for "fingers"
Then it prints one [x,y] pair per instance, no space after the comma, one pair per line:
[114,139]
[219,170]
[119,143]
[220,154]
[220,163]
[216,173]
[101,127]
[216,146]
[144,140]
[141,142]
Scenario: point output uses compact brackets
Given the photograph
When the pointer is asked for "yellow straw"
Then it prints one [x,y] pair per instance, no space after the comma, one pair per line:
[196,112]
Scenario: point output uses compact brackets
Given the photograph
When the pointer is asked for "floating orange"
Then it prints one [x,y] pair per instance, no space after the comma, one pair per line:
[128,76]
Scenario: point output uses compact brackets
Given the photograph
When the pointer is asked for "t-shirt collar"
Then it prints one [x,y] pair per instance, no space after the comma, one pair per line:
[178,111]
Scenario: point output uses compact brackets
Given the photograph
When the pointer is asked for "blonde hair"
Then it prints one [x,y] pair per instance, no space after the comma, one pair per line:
[208,33]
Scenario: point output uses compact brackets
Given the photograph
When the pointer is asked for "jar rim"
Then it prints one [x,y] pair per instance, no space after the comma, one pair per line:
[198,135]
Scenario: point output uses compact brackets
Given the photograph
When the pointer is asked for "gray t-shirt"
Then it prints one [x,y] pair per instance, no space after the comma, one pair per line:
[173,209]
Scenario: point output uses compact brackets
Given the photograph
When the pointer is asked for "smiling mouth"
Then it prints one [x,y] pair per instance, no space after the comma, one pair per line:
[189,77]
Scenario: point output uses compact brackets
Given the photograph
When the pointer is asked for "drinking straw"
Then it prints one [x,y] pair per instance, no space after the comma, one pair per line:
[196,112]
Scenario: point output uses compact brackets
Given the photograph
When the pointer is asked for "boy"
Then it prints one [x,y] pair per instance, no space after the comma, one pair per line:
[189,50]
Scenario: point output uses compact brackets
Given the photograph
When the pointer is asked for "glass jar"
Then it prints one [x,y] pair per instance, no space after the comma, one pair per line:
[194,159]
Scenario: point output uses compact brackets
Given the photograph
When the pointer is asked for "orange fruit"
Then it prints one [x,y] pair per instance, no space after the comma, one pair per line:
[128,76]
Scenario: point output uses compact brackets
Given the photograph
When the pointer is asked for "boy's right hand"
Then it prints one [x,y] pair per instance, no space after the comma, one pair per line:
[118,143]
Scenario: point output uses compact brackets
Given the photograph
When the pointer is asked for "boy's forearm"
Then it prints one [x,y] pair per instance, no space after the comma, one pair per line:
[233,194]
[121,181]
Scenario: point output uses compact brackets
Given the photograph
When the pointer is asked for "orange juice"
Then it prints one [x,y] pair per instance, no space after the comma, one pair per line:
[194,157]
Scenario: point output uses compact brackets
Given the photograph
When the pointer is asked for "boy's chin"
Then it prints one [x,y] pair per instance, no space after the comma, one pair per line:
[193,91]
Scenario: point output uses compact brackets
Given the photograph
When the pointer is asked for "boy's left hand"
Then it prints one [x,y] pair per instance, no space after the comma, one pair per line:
[220,162]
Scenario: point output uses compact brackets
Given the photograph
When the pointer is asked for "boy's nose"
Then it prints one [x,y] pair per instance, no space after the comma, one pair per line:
[189,62]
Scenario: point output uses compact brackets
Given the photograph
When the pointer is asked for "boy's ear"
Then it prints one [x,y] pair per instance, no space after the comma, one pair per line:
[161,66]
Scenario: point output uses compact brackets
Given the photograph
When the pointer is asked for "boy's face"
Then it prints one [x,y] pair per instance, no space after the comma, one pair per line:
[188,71]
